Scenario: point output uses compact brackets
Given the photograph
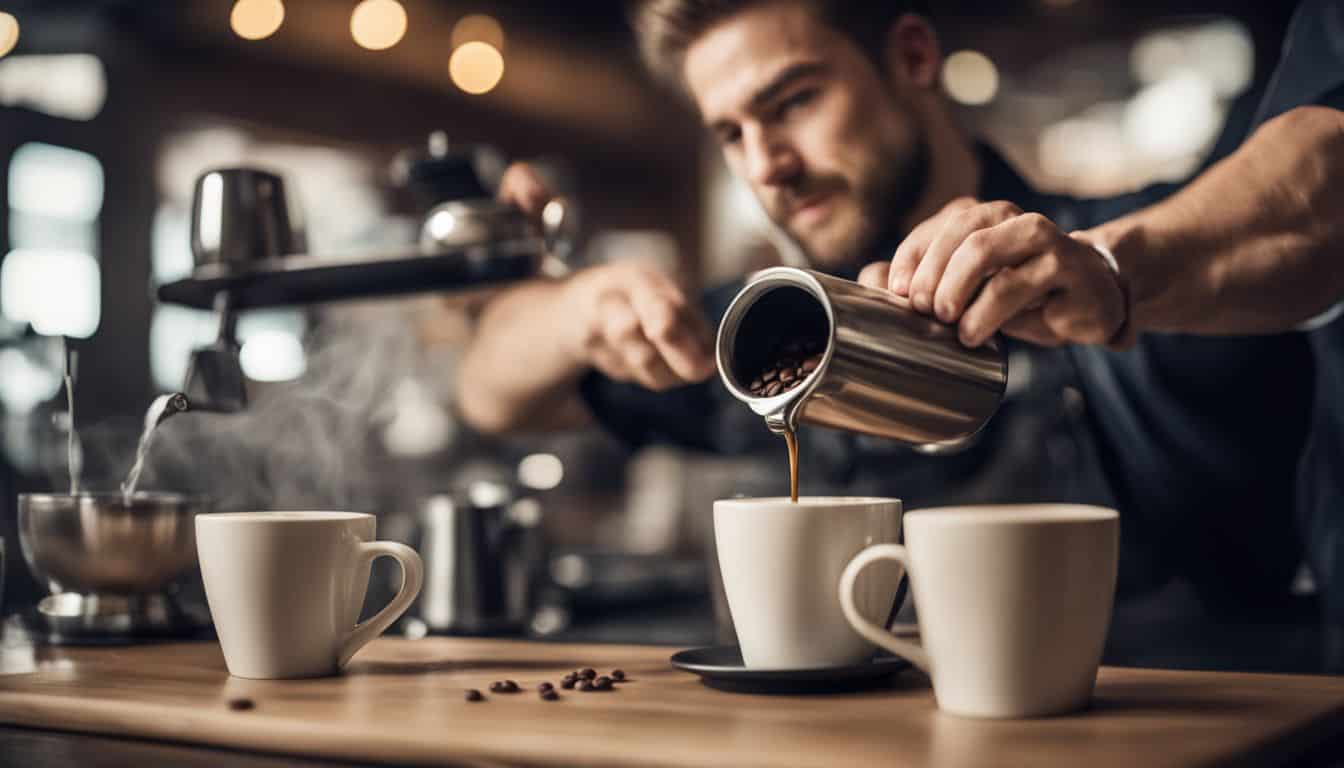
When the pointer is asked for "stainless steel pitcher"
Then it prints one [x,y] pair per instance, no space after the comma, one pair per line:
[887,370]
[483,553]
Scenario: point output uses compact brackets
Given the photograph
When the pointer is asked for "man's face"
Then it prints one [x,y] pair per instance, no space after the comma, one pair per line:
[829,145]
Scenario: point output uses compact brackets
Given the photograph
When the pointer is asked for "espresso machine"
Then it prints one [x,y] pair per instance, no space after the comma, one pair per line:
[113,564]
[250,252]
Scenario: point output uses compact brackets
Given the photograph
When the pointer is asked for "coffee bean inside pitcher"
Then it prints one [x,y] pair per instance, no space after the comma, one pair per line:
[788,366]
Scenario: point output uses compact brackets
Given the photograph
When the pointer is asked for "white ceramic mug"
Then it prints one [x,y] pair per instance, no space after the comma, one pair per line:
[286,588]
[781,562]
[1013,603]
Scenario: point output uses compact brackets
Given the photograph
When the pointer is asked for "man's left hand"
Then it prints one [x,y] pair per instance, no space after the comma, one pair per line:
[989,267]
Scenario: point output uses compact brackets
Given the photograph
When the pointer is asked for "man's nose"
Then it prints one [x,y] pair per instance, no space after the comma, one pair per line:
[771,160]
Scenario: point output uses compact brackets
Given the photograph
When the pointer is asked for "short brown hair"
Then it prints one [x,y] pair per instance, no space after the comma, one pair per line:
[665,29]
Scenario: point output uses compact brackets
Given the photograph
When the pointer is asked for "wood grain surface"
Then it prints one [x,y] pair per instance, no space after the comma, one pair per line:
[402,701]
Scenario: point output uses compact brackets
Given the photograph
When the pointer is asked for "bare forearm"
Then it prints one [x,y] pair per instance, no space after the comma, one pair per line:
[518,372]
[1253,245]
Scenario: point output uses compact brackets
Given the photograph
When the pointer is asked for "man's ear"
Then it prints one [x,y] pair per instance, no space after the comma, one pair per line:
[913,54]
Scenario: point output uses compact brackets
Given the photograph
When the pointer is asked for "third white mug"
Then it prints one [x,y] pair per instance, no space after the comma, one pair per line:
[1013,602]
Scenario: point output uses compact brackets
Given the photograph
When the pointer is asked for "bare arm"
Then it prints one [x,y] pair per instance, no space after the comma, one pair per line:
[1251,246]
[1255,244]
[518,372]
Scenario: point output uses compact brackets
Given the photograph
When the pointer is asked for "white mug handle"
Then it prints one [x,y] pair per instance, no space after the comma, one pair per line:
[412,576]
[909,650]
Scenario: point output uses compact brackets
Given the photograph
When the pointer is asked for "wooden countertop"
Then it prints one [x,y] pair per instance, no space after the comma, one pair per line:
[402,701]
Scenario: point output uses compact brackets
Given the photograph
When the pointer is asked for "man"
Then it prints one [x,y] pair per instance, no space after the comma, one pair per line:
[831,112]
[1254,245]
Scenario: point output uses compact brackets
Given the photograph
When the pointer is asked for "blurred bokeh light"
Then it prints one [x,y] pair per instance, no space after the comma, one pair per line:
[67,85]
[9,32]
[272,355]
[257,19]
[476,67]
[541,471]
[47,180]
[24,381]
[1174,117]
[970,78]
[57,292]
[378,24]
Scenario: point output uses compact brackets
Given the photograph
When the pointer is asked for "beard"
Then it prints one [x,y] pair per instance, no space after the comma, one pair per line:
[873,222]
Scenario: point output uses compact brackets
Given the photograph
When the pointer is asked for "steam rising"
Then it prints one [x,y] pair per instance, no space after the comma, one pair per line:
[306,444]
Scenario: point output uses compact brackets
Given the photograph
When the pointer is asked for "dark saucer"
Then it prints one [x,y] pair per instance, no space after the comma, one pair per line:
[721,667]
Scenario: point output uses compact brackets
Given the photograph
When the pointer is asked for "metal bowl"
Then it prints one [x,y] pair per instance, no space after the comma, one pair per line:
[96,544]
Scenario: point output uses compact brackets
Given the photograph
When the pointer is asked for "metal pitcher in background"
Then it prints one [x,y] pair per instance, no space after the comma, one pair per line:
[886,370]
[483,553]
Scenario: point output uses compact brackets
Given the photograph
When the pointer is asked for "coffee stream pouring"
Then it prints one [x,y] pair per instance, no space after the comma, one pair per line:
[884,369]
[249,251]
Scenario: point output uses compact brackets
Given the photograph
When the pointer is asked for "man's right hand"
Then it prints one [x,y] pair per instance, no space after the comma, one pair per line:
[626,319]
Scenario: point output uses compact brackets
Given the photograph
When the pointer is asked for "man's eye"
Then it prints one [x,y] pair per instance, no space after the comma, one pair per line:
[799,99]
[729,136]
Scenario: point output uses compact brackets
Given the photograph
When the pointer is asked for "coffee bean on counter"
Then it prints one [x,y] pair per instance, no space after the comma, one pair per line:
[473,695]
[602,683]
[549,694]
[546,687]
[588,673]
[618,675]
[568,683]
[585,685]
[241,705]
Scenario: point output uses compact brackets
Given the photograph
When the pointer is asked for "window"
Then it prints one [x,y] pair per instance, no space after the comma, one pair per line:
[50,280]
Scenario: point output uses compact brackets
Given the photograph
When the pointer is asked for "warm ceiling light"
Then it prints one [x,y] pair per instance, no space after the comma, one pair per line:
[476,67]
[257,19]
[478,28]
[9,33]
[378,24]
[970,77]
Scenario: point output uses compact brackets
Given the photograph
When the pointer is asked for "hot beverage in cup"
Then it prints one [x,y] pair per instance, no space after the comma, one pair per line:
[781,561]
